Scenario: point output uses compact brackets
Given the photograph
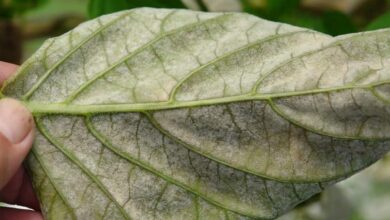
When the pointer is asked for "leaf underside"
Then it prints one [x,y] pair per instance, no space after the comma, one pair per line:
[176,114]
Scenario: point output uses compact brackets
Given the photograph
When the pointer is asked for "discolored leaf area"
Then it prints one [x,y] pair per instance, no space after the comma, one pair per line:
[176,114]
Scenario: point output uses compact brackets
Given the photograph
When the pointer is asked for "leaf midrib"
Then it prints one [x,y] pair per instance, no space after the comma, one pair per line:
[38,108]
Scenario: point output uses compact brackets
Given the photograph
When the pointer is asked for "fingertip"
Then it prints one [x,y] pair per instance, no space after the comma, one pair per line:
[6,70]
[16,137]
[5,169]
[16,122]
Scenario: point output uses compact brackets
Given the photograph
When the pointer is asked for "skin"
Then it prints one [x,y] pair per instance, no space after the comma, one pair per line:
[16,138]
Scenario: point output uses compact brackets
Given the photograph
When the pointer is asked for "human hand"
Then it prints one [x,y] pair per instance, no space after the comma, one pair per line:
[16,138]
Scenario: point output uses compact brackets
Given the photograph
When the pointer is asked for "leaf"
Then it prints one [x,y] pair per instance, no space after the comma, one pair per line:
[337,23]
[100,7]
[176,114]
[382,21]
[97,8]
[10,8]
[285,12]
[303,19]
[276,7]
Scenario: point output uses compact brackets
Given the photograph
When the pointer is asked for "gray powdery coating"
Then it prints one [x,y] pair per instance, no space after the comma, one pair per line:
[176,114]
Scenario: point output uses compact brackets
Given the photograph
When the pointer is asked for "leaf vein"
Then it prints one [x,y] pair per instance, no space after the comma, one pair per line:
[77,92]
[46,171]
[146,167]
[85,170]
[69,53]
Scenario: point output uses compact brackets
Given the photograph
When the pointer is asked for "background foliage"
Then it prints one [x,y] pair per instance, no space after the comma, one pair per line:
[25,24]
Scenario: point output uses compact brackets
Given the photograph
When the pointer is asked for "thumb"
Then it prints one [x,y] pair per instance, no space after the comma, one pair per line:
[16,137]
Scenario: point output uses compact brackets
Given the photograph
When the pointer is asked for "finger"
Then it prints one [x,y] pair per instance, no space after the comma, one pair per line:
[6,70]
[17,214]
[19,191]
[16,137]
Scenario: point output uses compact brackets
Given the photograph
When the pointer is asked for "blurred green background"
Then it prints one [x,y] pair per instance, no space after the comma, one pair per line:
[25,24]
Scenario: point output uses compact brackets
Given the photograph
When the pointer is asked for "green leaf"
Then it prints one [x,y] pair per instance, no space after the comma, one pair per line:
[277,7]
[337,23]
[382,21]
[176,114]
[9,8]
[303,19]
[100,7]
[285,12]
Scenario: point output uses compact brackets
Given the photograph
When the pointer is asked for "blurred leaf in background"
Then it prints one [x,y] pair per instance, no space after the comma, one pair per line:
[330,21]
[51,19]
[382,21]
[337,23]
[100,7]
[11,36]
[10,8]
[287,11]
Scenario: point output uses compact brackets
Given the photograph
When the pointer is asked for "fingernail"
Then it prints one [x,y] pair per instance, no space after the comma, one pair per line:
[16,121]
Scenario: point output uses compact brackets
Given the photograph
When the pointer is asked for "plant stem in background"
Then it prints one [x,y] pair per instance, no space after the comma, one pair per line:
[202,5]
